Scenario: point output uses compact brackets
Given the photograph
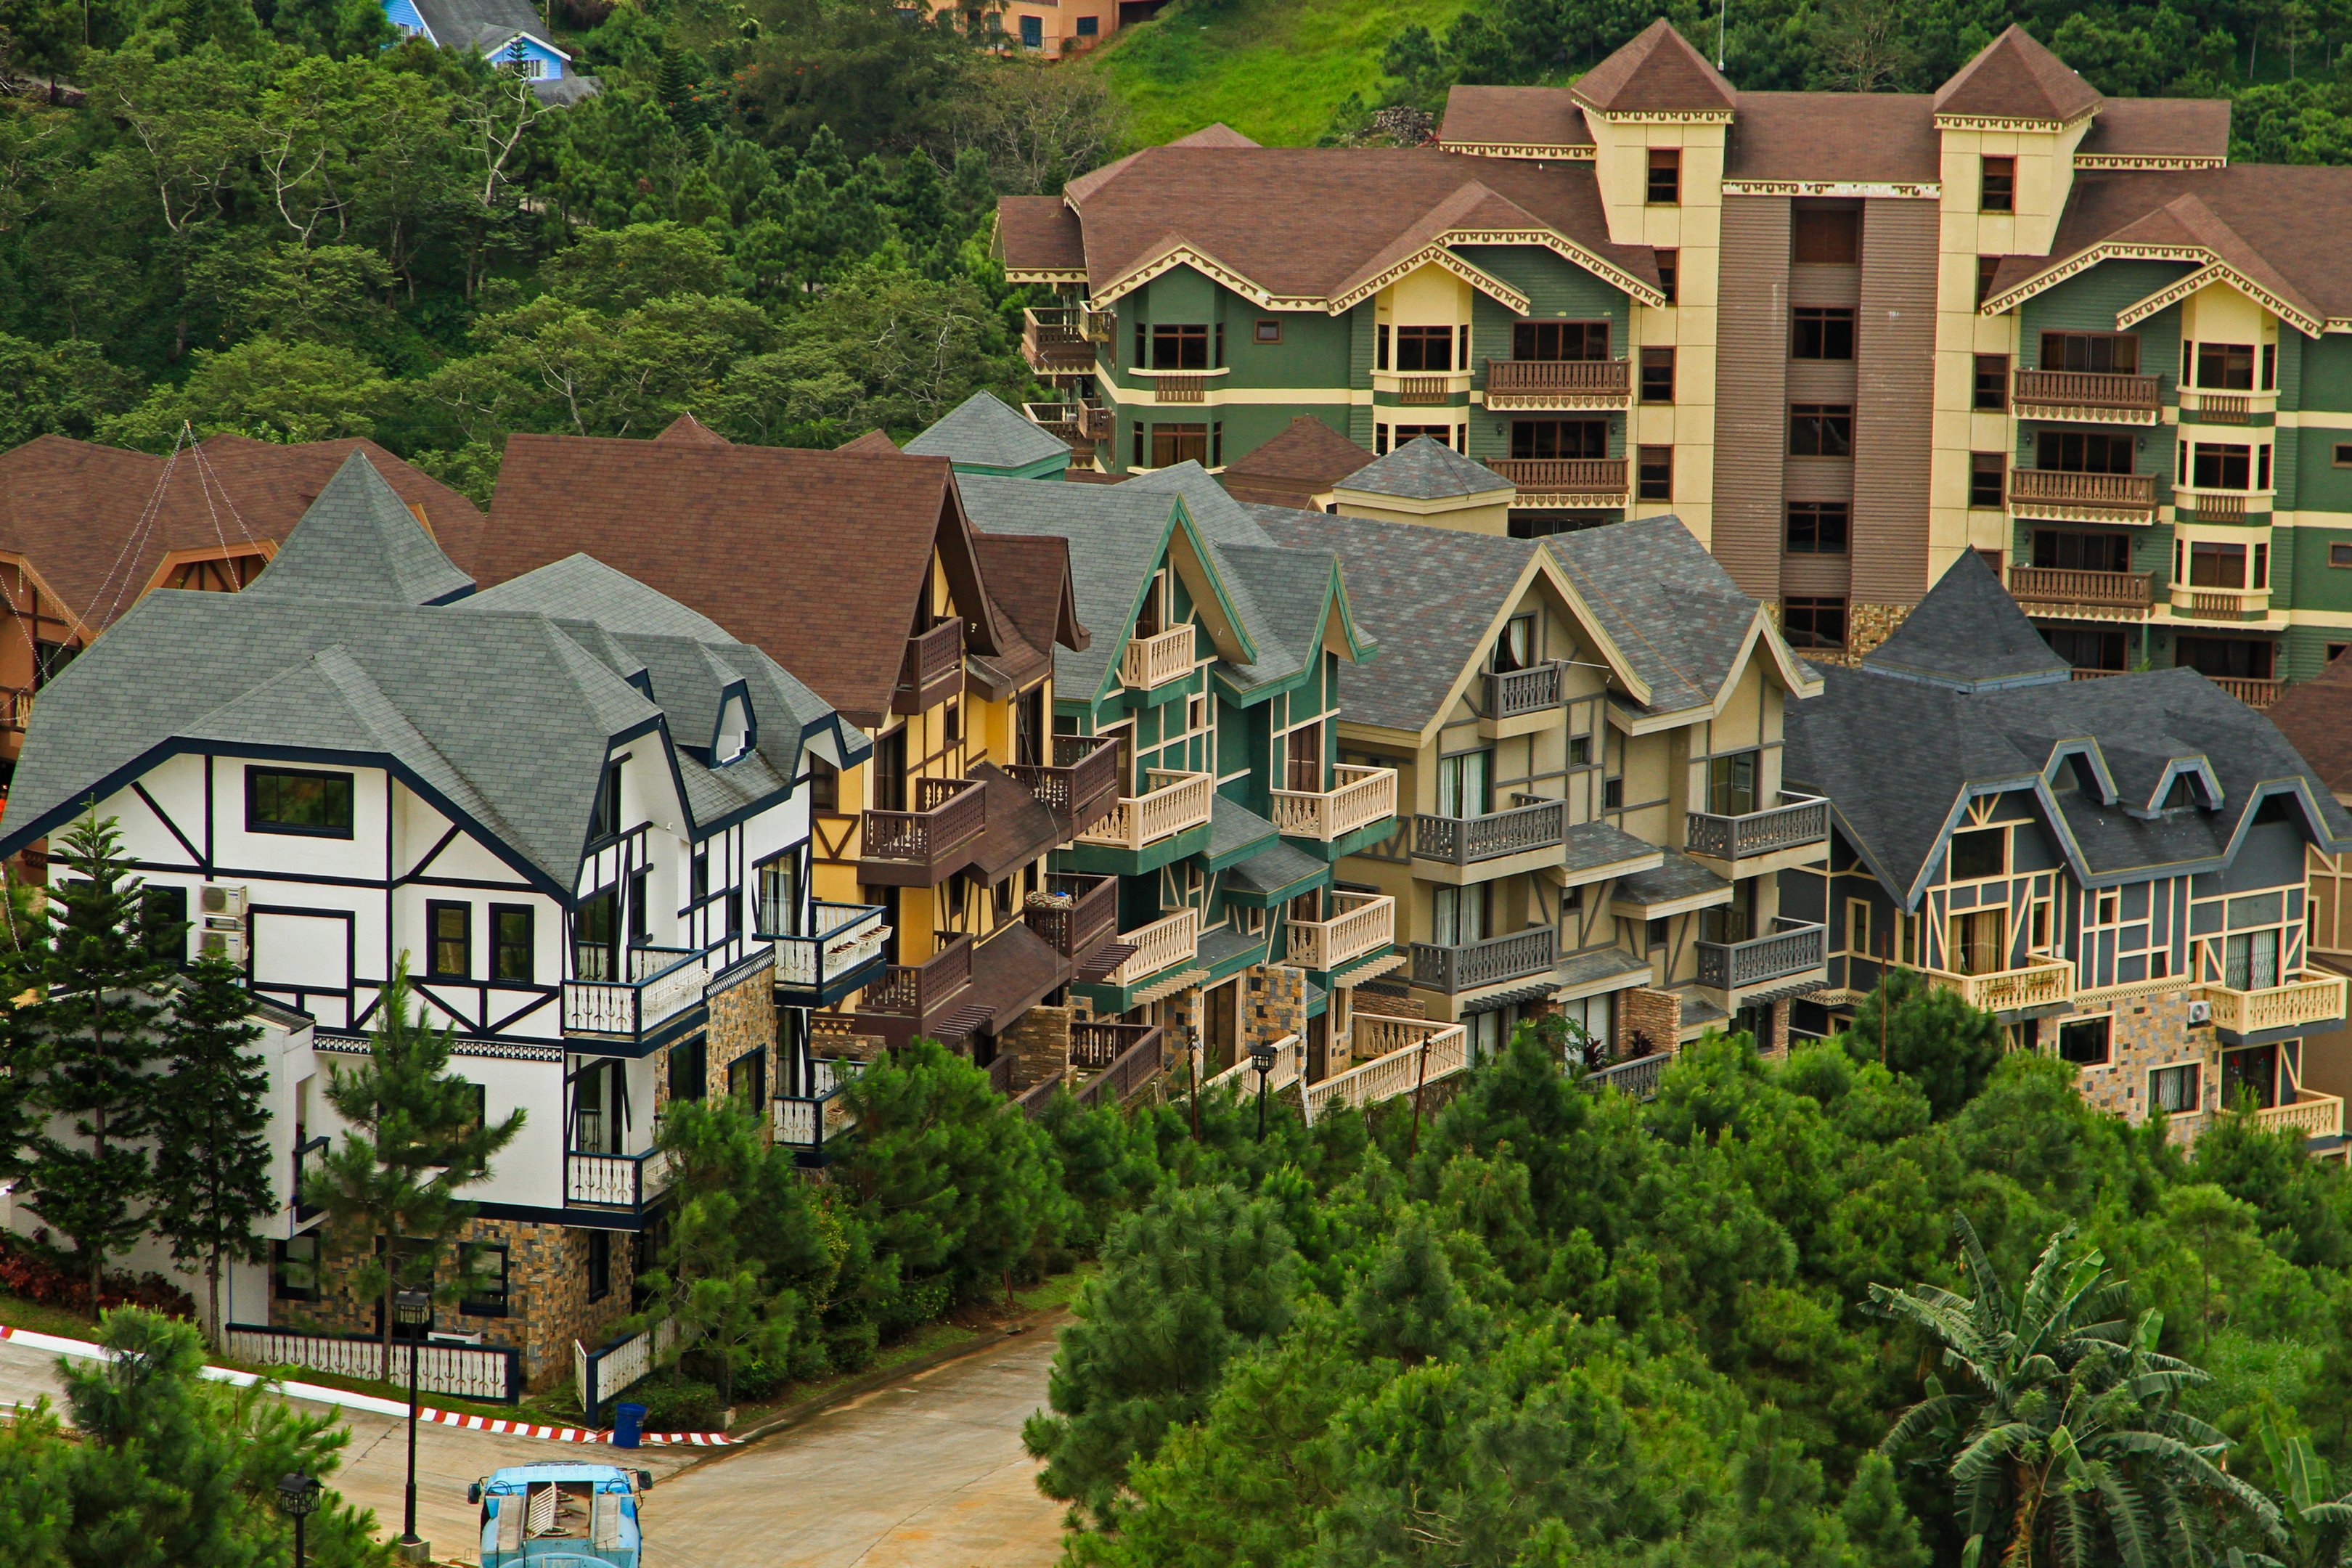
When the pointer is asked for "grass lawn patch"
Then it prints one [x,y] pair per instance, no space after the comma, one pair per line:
[32,1317]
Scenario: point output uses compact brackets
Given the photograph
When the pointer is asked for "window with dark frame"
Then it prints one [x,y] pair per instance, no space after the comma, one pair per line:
[1655,476]
[299,802]
[2340,555]
[2270,367]
[2065,550]
[1667,262]
[2098,353]
[2177,1089]
[1560,438]
[1424,350]
[2084,649]
[2085,1042]
[1553,341]
[2224,658]
[1812,622]
[1992,382]
[689,1069]
[449,946]
[1268,331]
[1822,331]
[487,1297]
[2221,466]
[1665,188]
[1821,430]
[2226,367]
[512,956]
[294,1268]
[1996,186]
[2213,565]
[1978,853]
[1612,794]
[1657,375]
[1825,236]
[824,779]
[605,814]
[1180,346]
[600,1265]
[1818,527]
[1987,478]
[2084,452]
[1174,444]
[747,1079]
[1380,346]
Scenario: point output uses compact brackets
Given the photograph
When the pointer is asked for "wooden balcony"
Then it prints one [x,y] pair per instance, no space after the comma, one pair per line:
[1740,968]
[1085,912]
[1565,482]
[920,848]
[2056,496]
[2108,596]
[1466,840]
[1474,965]
[1559,384]
[1799,822]
[2205,603]
[2044,983]
[840,955]
[1361,923]
[932,668]
[1117,1060]
[623,1182]
[1157,659]
[2305,999]
[1440,1053]
[2191,504]
[1058,339]
[912,999]
[1178,802]
[1081,424]
[1179,388]
[1357,798]
[2252,693]
[1168,942]
[2087,395]
[664,986]
[1424,391]
[1082,785]
[1515,693]
[2199,407]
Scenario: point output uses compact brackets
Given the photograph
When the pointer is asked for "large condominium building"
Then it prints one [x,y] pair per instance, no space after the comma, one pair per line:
[1844,338]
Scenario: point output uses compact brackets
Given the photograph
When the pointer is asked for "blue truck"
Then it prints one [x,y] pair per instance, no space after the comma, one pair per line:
[562,1516]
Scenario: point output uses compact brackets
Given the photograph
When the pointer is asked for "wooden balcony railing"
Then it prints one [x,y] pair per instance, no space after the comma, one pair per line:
[1095,1046]
[1083,781]
[1088,912]
[1079,424]
[1140,1056]
[1361,923]
[2304,999]
[1157,659]
[1439,1054]
[2085,389]
[2044,983]
[1798,821]
[1166,942]
[1513,692]
[1465,840]
[2052,488]
[949,814]
[614,1181]
[1559,384]
[664,981]
[2211,506]
[2222,408]
[919,991]
[1181,389]
[2067,585]
[1595,477]
[1357,798]
[1471,964]
[932,669]
[1735,966]
[1178,802]
[2251,692]
[1054,339]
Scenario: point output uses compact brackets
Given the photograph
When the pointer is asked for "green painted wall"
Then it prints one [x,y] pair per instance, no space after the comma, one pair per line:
[1556,288]
[2087,302]
[2325,381]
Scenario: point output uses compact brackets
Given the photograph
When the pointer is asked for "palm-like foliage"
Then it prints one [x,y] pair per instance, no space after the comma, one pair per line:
[2318,1529]
[2061,1433]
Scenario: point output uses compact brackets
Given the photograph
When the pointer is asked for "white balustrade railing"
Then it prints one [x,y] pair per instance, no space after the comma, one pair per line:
[602,1374]
[1359,923]
[664,981]
[1176,802]
[1357,798]
[1289,1066]
[1157,661]
[1436,1056]
[1164,944]
[625,1181]
[490,1372]
[848,936]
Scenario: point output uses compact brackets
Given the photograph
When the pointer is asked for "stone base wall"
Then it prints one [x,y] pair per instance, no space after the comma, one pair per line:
[2147,1032]
[1866,626]
[1775,1045]
[1389,1006]
[1274,1004]
[743,1023]
[1039,1046]
[1657,1015]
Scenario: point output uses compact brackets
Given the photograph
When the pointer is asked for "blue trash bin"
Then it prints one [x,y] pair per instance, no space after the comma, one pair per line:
[628,1426]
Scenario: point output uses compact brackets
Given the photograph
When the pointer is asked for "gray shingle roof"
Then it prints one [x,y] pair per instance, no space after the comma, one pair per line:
[1274,870]
[984,432]
[1680,878]
[1429,595]
[478,24]
[1674,615]
[1593,845]
[1968,634]
[1425,470]
[1233,827]
[582,588]
[359,541]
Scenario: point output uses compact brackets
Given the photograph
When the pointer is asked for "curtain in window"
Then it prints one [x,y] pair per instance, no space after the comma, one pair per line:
[2250,961]
[1462,785]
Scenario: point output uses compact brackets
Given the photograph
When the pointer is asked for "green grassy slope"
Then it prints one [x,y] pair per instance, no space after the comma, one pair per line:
[1272,70]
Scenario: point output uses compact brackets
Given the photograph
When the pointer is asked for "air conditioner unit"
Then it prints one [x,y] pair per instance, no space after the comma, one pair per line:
[219,899]
[2199,1013]
[217,943]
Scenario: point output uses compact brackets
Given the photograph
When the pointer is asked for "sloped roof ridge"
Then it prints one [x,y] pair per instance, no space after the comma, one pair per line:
[1425,468]
[1656,70]
[359,541]
[2015,78]
[1968,632]
[986,432]
[1306,448]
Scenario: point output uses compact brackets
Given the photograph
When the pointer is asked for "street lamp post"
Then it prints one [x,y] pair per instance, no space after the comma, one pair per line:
[411,1309]
[298,1495]
[1262,1056]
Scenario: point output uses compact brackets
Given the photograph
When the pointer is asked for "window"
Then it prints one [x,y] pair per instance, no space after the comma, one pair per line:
[2082,552]
[1992,382]
[1657,375]
[485,1295]
[449,940]
[1988,267]
[1665,177]
[1174,444]
[1996,186]
[1033,32]
[2083,1042]
[164,922]
[2080,452]
[2222,467]
[690,1071]
[595,929]
[1516,647]
[641,906]
[1822,236]
[1268,329]
[1552,341]
[1987,478]
[1579,751]
[1379,440]
[1180,347]
[2263,467]
[1822,331]
[294,1268]
[1089,27]
[1424,349]
[1667,261]
[2216,565]
[1813,623]
[49,661]
[2340,555]
[1612,794]
[284,800]
[1857,925]
[1405,435]
[824,779]
[778,881]
[1458,915]
[2103,354]
[1731,785]
[510,944]
[2226,367]
[746,1079]
[1462,788]
[2250,961]
[1656,478]
[1559,438]
[604,814]
[1817,527]
[2177,1089]
[1381,349]
[2223,659]
[600,1265]
[1979,853]
[1821,430]
[1653,935]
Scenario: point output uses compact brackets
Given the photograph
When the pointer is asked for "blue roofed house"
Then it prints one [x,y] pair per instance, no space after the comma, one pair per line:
[507,31]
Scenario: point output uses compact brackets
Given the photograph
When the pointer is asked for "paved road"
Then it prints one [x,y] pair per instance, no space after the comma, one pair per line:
[924,1473]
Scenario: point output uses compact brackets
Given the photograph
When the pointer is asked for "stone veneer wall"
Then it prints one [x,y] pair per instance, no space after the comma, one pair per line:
[1866,626]
[742,1022]
[2151,1031]
[1039,1044]
[1655,1014]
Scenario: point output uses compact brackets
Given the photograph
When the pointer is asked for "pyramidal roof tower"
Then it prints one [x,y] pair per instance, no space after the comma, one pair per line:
[359,541]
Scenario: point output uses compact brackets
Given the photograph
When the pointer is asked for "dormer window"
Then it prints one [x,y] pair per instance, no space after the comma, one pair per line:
[734,735]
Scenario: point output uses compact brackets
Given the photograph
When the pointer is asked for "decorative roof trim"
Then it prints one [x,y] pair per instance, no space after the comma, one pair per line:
[1894,190]
[1566,151]
[1045,275]
[2008,122]
[2217,271]
[1655,116]
[1179,254]
[2150,161]
[2083,261]
[1436,254]
[1567,249]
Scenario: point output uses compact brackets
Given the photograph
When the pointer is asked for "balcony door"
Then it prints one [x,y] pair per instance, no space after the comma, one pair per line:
[1303,759]
[891,771]
[1458,915]
[2250,961]
[2084,452]
[2059,550]
[595,936]
[1977,943]
[1532,438]
[1550,341]
[1731,783]
[1734,922]
[2253,1071]
[1462,785]
[779,897]
[1516,647]
[600,1108]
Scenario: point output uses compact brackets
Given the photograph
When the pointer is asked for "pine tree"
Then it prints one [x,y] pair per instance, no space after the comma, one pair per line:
[212,1150]
[101,982]
[1406,1305]
[417,1138]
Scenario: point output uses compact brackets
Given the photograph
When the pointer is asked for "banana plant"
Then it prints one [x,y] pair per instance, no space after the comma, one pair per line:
[2317,1527]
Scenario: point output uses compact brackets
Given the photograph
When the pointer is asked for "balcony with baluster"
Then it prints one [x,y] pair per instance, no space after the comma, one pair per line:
[1567,482]
[1074,914]
[1163,957]
[923,848]
[1359,925]
[842,952]
[615,1184]
[2095,398]
[2038,986]
[1358,810]
[1795,831]
[661,998]
[2258,1015]
[2075,595]
[1059,341]
[1462,968]
[1559,385]
[931,669]
[1080,423]
[1142,833]
[1527,837]
[2056,495]
[1155,662]
[1787,963]
[1519,702]
[1080,786]
[909,999]
[813,1122]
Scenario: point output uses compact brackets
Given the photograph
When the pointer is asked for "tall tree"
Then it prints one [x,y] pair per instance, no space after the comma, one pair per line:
[211,1148]
[101,985]
[418,1137]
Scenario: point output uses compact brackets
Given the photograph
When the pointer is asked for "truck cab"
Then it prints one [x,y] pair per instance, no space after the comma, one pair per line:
[562,1516]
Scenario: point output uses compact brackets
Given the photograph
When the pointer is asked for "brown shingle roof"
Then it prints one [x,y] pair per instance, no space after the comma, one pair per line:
[1656,72]
[1513,117]
[1038,233]
[2014,77]
[686,430]
[1874,136]
[1029,579]
[872,442]
[2316,719]
[1307,450]
[71,509]
[2159,128]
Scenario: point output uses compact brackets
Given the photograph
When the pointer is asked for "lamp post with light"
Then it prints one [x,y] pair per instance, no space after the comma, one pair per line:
[1262,1056]
[411,1309]
[297,1497]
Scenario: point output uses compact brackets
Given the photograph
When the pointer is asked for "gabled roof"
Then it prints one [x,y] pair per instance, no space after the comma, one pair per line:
[1656,72]
[2167,127]
[873,441]
[982,432]
[1529,118]
[482,24]
[686,430]
[1968,635]
[1039,235]
[2014,77]
[358,541]
[2316,719]
[1307,459]
[1424,468]
[1862,137]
